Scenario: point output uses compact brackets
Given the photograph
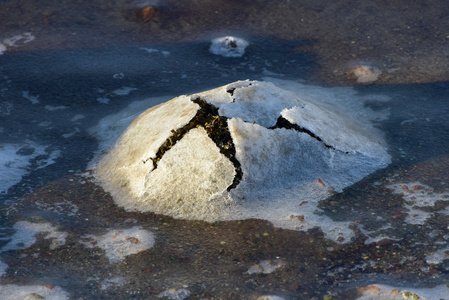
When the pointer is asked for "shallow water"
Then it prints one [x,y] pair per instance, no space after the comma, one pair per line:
[51,95]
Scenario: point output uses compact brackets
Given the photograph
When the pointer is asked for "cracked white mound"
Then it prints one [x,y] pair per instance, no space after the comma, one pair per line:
[271,168]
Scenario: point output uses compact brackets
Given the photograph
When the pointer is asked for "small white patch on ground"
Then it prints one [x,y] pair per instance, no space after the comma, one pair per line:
[13,41]
[112,282]
[78,117]
[15,162]
[50,160]
[119,243]
[417,196]
[228,46]
[103,100]
[438,256]
[29,292]
[54,108]
[26,232]
[152,50]
[365,73]
[123,91]
[385,292]
[175,294]
[266,266]
[3,268]
[378,235]
[33,99]
[70,134]
[270,297]
[64,207]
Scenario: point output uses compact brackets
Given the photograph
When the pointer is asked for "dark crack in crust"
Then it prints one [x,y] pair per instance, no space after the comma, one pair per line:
[217,129]
[284,123]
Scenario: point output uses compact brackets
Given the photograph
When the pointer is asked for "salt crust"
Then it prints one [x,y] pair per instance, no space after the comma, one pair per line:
[228,46]
[119,243]
[176,294]
[285,172]
[129,158]
[438,257]
[3,268]
[13,165]
[386,292]
[417,196]
[29,292]
[270,297]
[266,266]
[25,235]
[112,282]
[24,38]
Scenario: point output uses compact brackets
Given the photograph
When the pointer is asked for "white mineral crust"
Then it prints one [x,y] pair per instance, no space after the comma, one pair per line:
[281,168]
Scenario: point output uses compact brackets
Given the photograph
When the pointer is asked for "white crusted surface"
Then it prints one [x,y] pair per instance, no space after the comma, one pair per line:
[112,282]
[228,46]
[270,297]
[175,294]
[119,243]
[28,292]
[285,172]
[3,268]
[14,165]
[386,292]
[438,257]
[266,266]
[129,161]
[25,235]
[188,179]
[417,196]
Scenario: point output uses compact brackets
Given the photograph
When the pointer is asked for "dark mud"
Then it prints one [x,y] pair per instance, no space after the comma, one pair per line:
[212,260]
[404,39]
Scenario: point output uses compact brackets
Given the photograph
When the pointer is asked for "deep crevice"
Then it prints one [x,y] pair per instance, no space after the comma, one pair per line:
[284,123]
[217,129]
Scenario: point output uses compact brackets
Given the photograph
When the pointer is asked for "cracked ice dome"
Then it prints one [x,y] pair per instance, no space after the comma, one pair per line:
[245,150]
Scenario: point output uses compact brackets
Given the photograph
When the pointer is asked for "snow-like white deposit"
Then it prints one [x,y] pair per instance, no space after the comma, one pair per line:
[25,235]
[228,46]
[285,171]
[112,282]
[15,41]
[3,268]
[438,257]
[270,297]
[418,196]
[119,243]
[15,162]
[175,294]
[385,292]
[266,266]
[28,292]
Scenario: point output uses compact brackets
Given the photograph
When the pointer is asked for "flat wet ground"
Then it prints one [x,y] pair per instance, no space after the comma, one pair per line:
[88,60]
